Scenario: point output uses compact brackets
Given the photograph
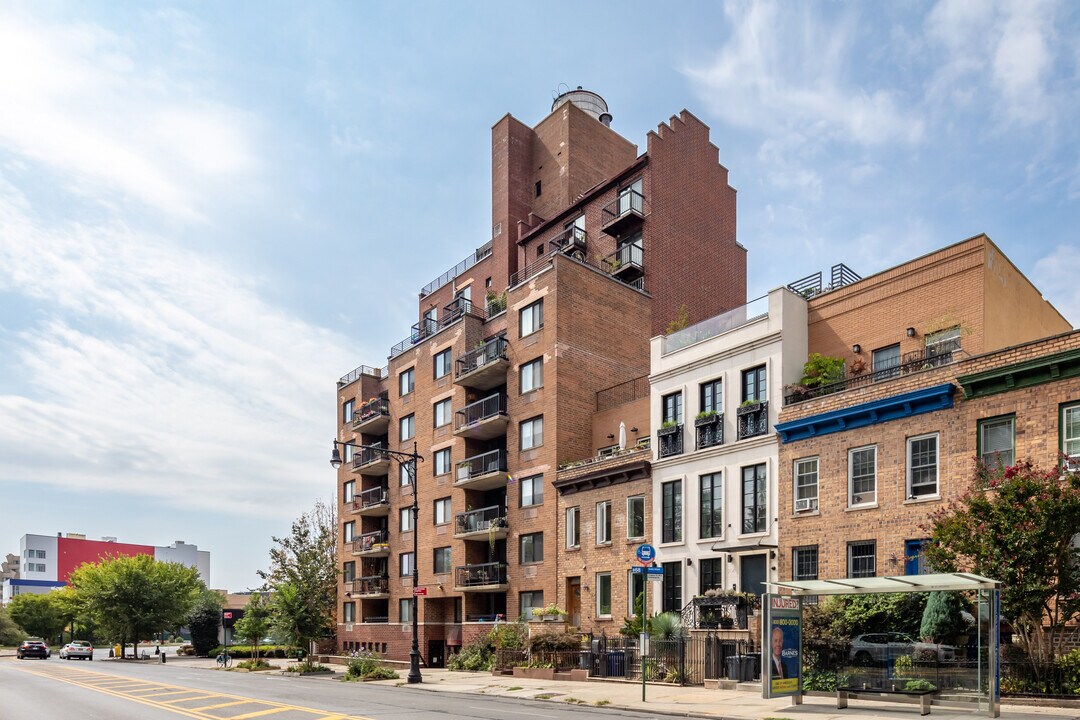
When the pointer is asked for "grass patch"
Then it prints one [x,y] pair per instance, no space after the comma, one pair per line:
[512,689]
[573,701]
[602,703]
[544,696]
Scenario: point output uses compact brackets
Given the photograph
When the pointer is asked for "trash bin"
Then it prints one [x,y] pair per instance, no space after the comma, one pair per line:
[616,663]
[746,668]
[733,668]
[585,660]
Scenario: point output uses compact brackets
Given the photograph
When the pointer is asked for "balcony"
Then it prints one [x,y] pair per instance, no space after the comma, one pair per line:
[710,430]
[570,241]
[483,419]
[483,367]
[487,577]
[373,544]
[373,417]
[482,472]
[372,503]
[623,214]
[626,263]
[488,524]
[669,441]
[753,419]
[376,587]
[371,461]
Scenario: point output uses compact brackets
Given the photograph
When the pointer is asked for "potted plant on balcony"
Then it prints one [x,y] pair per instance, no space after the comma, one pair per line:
[551,613]
[669,427]
[748,407]
[706,417]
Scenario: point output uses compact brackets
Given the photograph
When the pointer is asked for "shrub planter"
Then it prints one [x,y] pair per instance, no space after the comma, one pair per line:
[531,673]
[670,430]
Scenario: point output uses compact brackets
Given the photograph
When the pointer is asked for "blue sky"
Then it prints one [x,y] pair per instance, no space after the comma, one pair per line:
[211,211]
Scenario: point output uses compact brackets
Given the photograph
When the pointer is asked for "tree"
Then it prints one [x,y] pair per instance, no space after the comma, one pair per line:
[303,576]
[1017,525]
[10,632]
[253,626]
[943,618]
[859,614]
[133,597]
[39,615]
[203,621]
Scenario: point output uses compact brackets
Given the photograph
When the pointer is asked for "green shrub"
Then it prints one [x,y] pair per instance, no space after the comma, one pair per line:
[920,685]
[509,636]
[308,668]
[244,651]
[259,664]
[823,680]
[1070,671]
[368,666]
[943,618]
[477,655]
[554,641]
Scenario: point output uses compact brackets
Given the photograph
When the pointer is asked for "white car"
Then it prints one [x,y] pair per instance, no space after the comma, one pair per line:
[884,648]
[77,649]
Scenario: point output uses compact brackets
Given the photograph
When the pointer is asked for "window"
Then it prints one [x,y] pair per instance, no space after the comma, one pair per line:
[539,188]
[406,381]
[804,563]
[997,441]
[349,492]
[603,595]
[532,491]
[531,318]
[712,506]
[442,363]
[712,574]
[348,612]
[348,571]
[442,461]
[915,557]
[443,561]
[942,342]
[922,461]
[1070,434]
[406,563]
[635,582]
[886,362]
[712,397]
[635,517]
[442,413]
[532,433]
[405,610]
[540,250]
[862,559]
[671,407]
[407,427]
[753,504]
[573,527]
[38,567]
[40,555]
[532,375]
[530,602]
[603,522]
[532,548]
[442,511]
[347,411]
[806,484]
[349,531]
[405,473]
[671,493]
[862,476]
[672,598]
[753,384]
[405,519]
[348,455]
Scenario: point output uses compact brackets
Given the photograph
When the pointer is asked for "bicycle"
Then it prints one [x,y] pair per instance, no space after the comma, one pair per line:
[224,660]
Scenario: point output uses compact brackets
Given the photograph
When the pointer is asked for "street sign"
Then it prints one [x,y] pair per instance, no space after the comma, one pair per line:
[646,554]
[656,578]
[227,615]
[654,571]
[419,591]
[639,570]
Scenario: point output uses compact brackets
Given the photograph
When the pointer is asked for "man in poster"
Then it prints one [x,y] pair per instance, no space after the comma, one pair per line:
[778,668]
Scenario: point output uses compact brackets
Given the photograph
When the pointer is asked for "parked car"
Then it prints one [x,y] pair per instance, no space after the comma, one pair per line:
[884,648]
[77,649]
[33,648]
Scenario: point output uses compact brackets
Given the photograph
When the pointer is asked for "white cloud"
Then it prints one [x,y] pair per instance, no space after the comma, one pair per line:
[783,68]
[1055,275]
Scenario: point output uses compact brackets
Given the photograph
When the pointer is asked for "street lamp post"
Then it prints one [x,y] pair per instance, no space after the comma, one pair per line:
[408,461]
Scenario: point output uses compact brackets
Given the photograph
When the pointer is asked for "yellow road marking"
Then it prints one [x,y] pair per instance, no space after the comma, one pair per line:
[204,696]
[269,711]
[170,692]
[220,705]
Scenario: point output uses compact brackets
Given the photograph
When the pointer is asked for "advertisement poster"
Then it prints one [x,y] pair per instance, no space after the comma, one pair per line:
[785,644]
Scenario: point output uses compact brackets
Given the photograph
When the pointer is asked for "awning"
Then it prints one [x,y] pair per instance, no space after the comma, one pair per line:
[901,583]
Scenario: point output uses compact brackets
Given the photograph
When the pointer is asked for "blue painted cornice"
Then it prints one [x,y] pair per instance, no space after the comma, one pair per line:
[939,397]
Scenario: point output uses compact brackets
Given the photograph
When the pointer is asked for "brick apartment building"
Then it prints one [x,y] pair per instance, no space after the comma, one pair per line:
[594,249]
[957,367]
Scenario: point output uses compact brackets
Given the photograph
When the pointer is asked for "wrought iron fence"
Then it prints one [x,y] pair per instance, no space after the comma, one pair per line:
[753,420]
[914,361]
[670,441]
[710,431]
[622,393]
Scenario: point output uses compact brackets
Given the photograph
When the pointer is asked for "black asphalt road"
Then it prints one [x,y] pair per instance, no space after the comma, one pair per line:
[82,690]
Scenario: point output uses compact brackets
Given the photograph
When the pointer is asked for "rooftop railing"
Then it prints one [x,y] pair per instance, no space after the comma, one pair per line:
[476,256]
[454,311]
[362,370]
[840,276]
[736,317]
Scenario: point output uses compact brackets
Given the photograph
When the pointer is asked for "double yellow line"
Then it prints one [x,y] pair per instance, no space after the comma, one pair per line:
[124,688]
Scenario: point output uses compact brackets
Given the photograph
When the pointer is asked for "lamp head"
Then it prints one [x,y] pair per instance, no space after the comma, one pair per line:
[335,458]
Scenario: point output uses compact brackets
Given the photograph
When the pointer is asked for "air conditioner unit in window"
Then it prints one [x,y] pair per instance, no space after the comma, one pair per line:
[802,504]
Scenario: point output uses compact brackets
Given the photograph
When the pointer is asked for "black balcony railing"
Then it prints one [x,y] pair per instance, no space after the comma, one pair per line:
[480,575]
[372,408]
[569,241]
[452,312]
[476,256]
[374,585]
[710,431]
[368,455]
[811,285]
[371,498]
[480,520]
[628,259]
[915,361]
[477,412]
[492,350]
[669,441]
[477,465]
[628,203]
[371,541]
[376,619]
[753,419]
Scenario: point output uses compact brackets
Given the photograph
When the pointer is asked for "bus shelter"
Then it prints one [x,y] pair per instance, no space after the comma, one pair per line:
[887,664]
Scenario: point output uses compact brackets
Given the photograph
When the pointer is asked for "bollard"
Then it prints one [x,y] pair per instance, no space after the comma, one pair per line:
[157,649]
[162,656]
[111,653]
